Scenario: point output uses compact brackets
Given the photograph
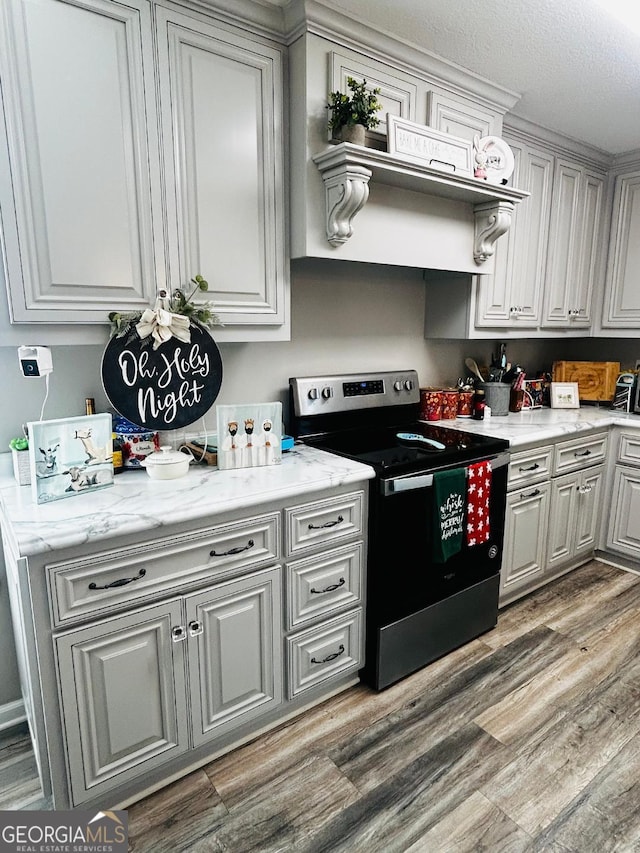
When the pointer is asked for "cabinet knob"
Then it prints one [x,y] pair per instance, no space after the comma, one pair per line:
[195,628]
[178,633]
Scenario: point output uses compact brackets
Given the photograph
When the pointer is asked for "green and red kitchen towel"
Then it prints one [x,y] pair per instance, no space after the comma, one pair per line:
[461,495]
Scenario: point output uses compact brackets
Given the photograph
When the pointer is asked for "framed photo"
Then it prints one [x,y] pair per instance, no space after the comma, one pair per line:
[249,435]
[70,456]
[417,143]
[564,395]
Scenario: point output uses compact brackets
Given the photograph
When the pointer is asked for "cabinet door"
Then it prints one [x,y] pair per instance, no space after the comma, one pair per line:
[512,296]
[79,171]
[622,307]
[564,234]
[624,524]
[562,520]
[235,652]
[222,127]
[525,539]
[587,249]
[122,689]
[588,507]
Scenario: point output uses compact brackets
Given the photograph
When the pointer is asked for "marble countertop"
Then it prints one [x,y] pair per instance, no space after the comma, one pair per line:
[534,426]
[136,503]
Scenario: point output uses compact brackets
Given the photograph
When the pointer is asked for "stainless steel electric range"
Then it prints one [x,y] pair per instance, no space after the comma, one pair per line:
[417,609]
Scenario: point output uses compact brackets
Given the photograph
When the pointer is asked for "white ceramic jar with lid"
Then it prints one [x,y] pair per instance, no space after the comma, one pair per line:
[166,464]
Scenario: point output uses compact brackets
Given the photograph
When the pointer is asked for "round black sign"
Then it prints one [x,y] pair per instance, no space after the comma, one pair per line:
[162,389]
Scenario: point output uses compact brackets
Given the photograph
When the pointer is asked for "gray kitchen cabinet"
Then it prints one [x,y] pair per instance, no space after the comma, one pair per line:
[554,502]
[235,652]
[526,520]
[222,117]
[623,529]
[575,239]
[574,515]
[110,192]
[512,296]
[122,689]
[146,656]
[621,309]
[79,161]
[549,267]
[122,682]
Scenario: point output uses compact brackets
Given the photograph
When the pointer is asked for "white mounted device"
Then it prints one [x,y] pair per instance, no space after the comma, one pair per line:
[35,361]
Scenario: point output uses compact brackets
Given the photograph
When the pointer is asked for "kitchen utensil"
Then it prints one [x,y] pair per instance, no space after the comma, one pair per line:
[420,441]
[166,464]
[473,367]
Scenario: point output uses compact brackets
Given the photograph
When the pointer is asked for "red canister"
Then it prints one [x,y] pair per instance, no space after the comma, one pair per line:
[430,404]
[465,404]
[449,405]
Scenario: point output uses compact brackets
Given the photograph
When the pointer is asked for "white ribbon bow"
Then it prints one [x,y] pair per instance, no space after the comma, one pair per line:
[163,325]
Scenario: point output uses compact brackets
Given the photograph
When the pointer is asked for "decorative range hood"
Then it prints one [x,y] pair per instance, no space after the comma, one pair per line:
[347,170]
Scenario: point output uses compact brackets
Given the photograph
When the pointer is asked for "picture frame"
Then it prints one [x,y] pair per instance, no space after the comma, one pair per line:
[249,435]
[70,456]
[417,143]
[565,395]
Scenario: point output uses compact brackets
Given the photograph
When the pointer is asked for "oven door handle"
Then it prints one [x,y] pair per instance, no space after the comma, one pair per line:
[424,481]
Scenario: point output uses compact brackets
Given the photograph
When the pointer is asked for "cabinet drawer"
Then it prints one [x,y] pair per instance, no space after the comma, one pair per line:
[324,652]
[629,448]
[529,466]
[323,521]
[324,583]
[111,580]
[579,453]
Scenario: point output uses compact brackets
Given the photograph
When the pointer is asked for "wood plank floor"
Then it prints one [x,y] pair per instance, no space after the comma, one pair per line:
[527,739]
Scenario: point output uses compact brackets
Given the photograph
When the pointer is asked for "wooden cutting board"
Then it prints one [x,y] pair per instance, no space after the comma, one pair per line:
[596,379]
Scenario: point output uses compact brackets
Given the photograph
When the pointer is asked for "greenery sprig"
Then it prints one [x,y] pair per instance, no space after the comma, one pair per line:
[21,443]
[124,322]
[360,107]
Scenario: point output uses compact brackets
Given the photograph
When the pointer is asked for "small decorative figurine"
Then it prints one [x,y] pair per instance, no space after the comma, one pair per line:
[480,158]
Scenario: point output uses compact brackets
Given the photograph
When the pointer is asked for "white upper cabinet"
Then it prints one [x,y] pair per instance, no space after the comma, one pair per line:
[108,194]
[221,102]
[575,238]
[79,171]
[512,296]
[622,299]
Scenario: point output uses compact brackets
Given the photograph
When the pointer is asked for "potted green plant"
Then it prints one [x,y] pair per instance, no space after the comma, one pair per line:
[354,113]
[20,453]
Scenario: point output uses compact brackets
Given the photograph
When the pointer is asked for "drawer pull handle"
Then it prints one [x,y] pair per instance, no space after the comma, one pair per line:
[329,588]
[232,551]
[338,520]
[584,453]
[584,490]
[331,656]
[533,467]
[533,494]
[120,581]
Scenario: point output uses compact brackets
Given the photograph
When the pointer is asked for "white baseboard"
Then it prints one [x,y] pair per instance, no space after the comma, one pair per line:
[11,714]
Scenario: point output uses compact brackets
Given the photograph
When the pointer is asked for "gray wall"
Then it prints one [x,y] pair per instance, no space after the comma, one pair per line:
[345,317]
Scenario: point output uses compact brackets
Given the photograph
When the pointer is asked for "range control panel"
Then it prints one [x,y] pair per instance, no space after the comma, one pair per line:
[315,395]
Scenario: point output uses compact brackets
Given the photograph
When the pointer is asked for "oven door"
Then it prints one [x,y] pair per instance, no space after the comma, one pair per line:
[418,609]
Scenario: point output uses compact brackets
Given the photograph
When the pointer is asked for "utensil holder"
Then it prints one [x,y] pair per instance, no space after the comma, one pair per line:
[497,396]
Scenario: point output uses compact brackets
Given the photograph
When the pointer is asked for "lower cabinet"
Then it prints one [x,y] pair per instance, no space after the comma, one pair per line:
[554,500]
[124,683]
[149,659]
[525,542]
[623,534]
[573,519]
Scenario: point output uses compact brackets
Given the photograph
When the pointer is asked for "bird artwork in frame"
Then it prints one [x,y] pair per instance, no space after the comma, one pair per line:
[70,456]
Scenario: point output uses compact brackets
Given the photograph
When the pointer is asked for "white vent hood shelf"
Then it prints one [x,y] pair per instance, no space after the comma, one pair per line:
[347,169]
